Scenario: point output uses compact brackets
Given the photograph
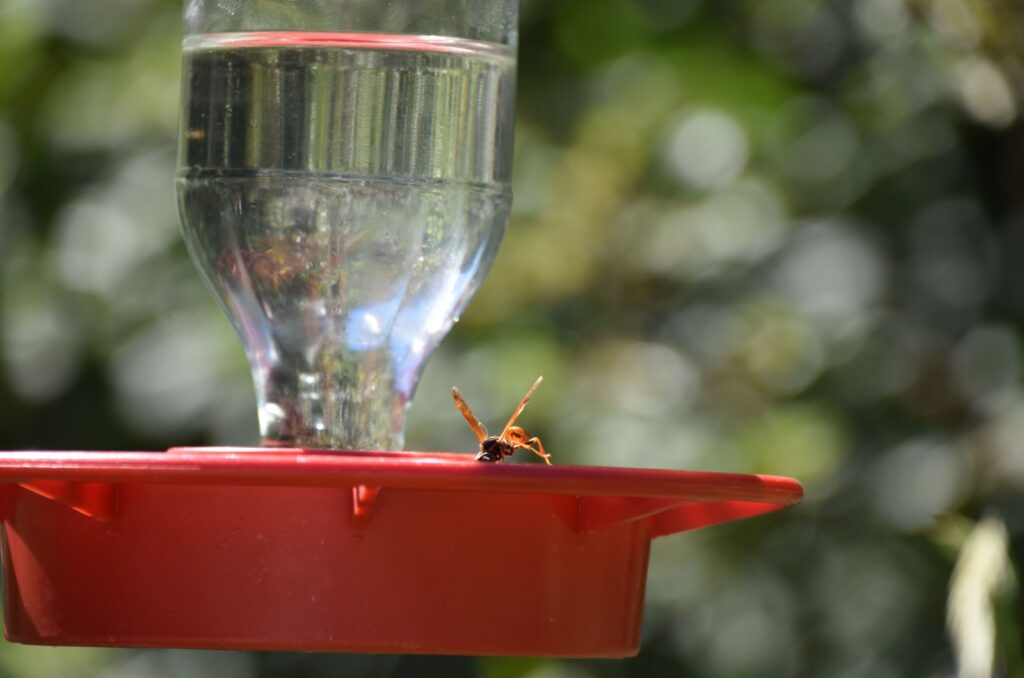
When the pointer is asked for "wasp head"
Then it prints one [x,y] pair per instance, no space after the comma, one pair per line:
[491,449]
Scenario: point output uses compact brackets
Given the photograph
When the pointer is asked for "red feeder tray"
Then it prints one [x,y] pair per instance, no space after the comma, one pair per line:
[344,551]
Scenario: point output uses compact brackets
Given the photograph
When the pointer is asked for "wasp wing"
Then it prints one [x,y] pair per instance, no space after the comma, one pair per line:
[478,428]
[522,406]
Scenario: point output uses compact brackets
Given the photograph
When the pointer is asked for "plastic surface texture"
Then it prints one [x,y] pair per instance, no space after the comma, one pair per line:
[351,552]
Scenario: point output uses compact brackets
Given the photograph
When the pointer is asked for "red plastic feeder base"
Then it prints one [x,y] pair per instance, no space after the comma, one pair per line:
[350,552]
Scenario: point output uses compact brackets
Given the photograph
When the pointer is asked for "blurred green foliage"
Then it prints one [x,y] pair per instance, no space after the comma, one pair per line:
[774,237]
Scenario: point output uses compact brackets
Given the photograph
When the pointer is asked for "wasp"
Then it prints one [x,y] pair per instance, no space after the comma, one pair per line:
[512,438]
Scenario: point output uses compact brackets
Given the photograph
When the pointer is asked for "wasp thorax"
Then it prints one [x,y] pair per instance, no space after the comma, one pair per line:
[492,447]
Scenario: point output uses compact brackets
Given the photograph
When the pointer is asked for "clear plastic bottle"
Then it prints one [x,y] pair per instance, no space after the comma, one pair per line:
[343,187]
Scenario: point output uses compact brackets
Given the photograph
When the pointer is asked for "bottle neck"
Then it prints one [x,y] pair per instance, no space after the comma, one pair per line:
[346,401]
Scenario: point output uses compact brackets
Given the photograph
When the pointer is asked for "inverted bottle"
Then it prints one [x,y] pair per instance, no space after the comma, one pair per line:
[344,196]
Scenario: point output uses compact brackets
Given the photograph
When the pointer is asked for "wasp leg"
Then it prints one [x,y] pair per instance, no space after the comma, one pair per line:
[542,453]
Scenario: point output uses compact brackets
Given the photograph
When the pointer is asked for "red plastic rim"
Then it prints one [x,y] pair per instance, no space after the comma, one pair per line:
[408,470]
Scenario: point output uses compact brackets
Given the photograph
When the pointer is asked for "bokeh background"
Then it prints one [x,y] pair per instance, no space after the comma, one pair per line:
[776,236]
